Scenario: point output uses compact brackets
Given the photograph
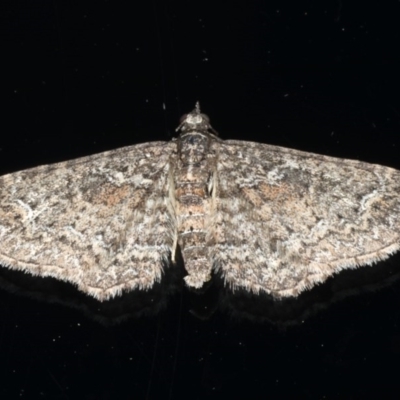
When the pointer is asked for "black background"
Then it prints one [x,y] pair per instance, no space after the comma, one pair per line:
[83,77]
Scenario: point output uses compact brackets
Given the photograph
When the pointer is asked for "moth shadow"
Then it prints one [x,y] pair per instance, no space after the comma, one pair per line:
[213,297]
[243,305]
[129,305]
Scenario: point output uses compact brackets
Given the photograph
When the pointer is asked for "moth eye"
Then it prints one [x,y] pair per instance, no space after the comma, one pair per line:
[181,119]
[205,116]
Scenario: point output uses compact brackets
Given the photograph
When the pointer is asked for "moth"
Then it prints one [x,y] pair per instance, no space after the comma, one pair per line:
[266,218]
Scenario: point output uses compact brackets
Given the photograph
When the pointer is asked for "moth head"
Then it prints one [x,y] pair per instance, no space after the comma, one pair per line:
[195,121]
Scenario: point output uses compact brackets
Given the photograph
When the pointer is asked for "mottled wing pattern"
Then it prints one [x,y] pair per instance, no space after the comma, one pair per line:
[286,220]
[111,232]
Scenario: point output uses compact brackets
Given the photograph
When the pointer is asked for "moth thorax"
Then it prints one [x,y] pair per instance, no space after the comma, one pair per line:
[193,147]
